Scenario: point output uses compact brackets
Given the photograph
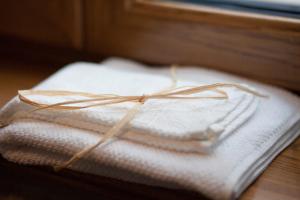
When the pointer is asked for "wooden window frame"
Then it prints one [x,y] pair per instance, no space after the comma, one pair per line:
[266,48]
[50,23]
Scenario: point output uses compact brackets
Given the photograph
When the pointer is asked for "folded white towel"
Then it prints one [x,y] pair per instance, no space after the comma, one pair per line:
[181,125]
[222,174]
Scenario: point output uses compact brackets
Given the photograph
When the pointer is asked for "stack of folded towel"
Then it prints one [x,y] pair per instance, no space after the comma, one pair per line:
[216,147]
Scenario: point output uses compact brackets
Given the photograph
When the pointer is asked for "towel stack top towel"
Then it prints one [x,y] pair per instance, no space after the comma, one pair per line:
[190,125]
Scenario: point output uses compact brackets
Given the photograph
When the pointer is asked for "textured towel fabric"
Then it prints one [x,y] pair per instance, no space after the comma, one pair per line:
[181,125]
[223,174]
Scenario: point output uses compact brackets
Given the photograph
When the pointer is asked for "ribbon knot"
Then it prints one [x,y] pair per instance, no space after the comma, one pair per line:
[143,98]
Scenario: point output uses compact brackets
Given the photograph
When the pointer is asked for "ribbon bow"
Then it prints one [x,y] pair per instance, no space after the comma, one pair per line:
[94,100]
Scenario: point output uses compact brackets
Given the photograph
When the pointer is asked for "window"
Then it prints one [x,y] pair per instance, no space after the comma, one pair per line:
[285,8]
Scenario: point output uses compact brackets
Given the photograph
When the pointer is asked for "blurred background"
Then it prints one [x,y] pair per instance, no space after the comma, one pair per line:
[258,39]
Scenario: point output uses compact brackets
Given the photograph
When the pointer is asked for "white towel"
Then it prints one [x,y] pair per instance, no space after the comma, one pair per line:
[222,174]
[181,125]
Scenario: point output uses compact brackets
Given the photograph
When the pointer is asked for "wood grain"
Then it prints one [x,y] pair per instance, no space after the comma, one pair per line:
[281,180]
[51,22]
[262,47]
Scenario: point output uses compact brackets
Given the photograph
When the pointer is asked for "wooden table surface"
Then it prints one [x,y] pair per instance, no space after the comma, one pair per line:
[281,180]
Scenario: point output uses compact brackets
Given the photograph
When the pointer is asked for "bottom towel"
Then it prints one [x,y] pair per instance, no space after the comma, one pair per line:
[223,174]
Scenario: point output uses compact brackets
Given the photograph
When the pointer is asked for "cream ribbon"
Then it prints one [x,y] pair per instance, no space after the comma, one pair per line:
[94,100]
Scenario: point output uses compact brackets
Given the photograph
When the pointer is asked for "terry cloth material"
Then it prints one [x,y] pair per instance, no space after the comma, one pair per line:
[222,174]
